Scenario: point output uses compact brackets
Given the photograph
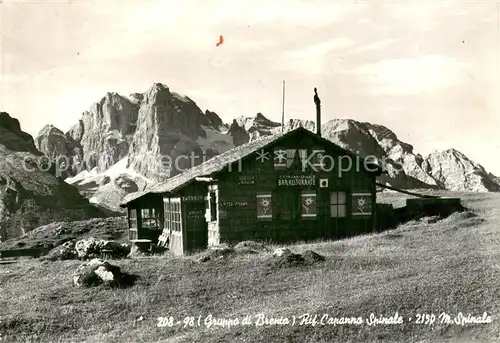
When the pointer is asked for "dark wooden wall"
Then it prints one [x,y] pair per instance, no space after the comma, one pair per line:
[238,203]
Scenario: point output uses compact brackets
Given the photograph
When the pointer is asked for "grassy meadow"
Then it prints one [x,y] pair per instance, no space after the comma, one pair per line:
[450,266]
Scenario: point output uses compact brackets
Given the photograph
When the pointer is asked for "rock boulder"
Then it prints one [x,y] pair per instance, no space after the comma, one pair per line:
[91,248]
[97,272]
[65,251]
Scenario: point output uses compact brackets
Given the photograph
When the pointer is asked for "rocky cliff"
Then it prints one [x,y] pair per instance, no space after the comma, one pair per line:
[121,144]
[452,170]
[379,142]
[62,149]
[129,143]
[105,131]
[169,127]
[13,138]
[30,193]
[449,170]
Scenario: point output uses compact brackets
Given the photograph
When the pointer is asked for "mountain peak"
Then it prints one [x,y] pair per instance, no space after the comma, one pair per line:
[158,94]
[145,127]
[50,127]
[260,116]
[214,119]
[13,136]
[9,123]
[453,151]
[136,98]
[455,171]
[239,134]
[449,153]
[40,195]
[159,86]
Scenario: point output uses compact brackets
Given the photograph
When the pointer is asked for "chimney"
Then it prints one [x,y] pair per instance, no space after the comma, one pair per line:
[317,102]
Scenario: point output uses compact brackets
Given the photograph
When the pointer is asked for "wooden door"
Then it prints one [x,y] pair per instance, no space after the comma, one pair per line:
[286,205]
[212,217]
[195,224]
[177,232]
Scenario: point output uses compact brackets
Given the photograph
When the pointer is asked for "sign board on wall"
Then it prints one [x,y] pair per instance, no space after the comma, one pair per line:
[195,214]
[296,180]
[234,204]
[193,198]
[246,179]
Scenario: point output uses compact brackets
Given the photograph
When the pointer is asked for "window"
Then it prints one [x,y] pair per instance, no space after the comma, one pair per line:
[212,205]
[175,215]
[164,238]
[338,204]
[361,204]
[264,206]
[166,211]
[132,218]
[132,234]
[308,204]
[132,224]
[150,218]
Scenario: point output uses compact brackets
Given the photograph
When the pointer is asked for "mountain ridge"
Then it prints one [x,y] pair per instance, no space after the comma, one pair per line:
[153,131]
[31,193]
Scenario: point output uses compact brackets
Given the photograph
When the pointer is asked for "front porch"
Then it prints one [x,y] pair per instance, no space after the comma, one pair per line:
[145,220]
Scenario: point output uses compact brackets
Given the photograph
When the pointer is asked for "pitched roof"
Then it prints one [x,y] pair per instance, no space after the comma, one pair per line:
[218,163]
[210,166]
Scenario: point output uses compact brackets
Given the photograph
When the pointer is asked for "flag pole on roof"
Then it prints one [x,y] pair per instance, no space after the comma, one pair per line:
[283,109]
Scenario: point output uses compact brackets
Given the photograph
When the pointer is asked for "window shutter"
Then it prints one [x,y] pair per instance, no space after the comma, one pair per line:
[308,201]
[361,204]
[264,205]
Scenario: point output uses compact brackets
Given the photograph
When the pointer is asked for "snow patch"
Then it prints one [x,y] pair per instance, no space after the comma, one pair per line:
[180,97]
[83,175]
[215,140]
[114,171]
[115,134]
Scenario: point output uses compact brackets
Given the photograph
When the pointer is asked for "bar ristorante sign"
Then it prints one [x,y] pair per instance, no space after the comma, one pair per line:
[296,180]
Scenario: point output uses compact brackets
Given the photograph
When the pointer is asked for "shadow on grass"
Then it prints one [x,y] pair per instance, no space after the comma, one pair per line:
[128,280]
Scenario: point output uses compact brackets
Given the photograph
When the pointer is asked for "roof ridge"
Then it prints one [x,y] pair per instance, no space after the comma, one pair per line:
[221,161]
[221,156]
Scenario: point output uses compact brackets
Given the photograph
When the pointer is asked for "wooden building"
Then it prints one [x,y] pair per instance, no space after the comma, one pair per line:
[283,188]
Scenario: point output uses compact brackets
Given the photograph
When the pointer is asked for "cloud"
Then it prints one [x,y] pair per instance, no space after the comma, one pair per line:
[311,59]
[254,45]
[413,75]
[373,61]
[373,46]
[319,48]
[203,94]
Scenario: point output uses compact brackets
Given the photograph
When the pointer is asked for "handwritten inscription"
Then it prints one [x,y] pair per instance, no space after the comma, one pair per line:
[195,214]
[246,180]
[325,319]
[297,180]
[193,198]
[234,204]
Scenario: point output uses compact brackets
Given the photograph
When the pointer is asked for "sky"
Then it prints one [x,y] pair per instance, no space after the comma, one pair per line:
[428,70]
